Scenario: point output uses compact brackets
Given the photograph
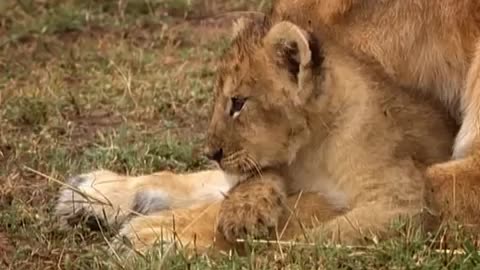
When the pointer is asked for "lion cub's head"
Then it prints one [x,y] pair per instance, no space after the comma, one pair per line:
[265,81]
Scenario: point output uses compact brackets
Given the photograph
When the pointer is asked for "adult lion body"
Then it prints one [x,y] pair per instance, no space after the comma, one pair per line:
[427,46]
[309,129]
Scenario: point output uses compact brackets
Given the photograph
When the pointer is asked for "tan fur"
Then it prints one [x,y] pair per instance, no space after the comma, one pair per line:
[420,44]
[186,217]
[337,129]
[431,46]
[333,146]
[111,196]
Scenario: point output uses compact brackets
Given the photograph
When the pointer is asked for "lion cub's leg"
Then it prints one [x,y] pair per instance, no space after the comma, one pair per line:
[253,208]
[378,198]
[369,221]
[111,198]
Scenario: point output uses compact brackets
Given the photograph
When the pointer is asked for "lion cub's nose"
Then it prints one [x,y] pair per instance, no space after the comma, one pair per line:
[215,154]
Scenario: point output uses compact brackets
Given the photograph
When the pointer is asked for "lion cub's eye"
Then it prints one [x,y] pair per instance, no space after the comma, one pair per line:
[237,105]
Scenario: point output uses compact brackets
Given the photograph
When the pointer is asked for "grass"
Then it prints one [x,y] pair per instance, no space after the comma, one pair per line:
[126,85]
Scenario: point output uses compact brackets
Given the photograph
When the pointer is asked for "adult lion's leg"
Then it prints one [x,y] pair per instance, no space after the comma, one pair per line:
[468,138]
[193,227]
[456,184]
[456,189]
[197,227]
[111,198]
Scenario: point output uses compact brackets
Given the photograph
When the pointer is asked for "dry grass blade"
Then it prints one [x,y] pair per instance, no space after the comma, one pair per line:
[352,248]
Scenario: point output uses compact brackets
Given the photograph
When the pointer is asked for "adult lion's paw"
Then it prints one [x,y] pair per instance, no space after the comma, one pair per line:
[455,187]
[98,198]
[251,209]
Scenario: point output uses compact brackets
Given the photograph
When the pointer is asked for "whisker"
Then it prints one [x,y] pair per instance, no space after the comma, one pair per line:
[243,165]
[254,165]
[232,156]
[254,162]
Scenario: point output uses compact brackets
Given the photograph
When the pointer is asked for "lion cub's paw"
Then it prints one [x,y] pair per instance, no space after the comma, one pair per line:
[98,198]
[252,209]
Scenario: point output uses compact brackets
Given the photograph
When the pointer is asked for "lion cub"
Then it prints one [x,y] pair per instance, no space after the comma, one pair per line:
[305,134]
[300,106]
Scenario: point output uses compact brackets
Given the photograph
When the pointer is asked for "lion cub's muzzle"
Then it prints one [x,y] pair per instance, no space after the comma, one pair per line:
[214,154]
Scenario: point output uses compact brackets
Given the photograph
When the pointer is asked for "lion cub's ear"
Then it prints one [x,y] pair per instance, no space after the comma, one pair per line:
[294,49]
